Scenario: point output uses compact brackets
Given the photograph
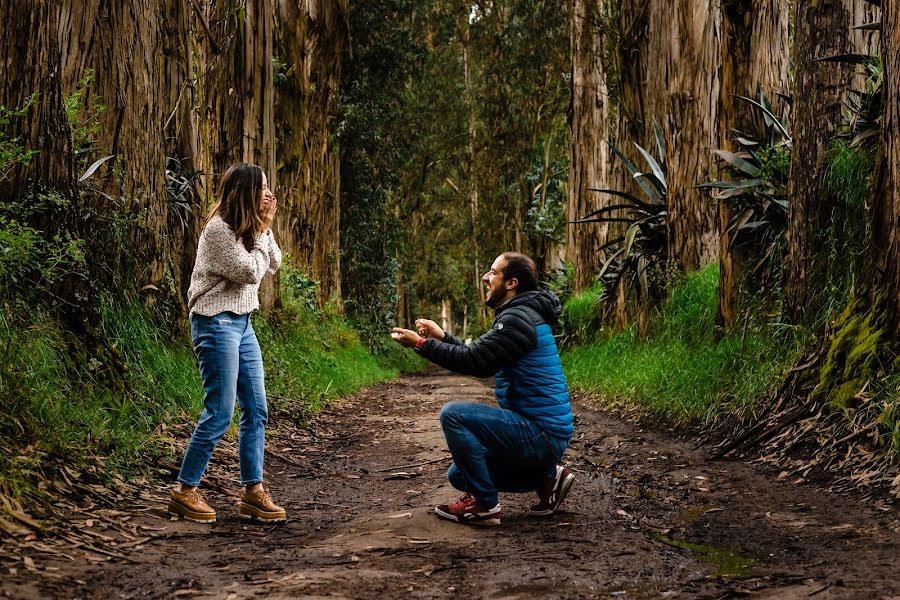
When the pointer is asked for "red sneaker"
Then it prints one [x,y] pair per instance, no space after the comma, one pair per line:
[469,510]
[553,493]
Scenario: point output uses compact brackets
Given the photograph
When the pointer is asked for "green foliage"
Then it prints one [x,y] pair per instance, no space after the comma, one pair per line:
[296,285]
[681,373]
[582,316]
[546,216]
[280,73]
[636,259]
[757,193]
[385,53]
[59,400]
[183,202]
[31,265]
[83,111]
[12,150]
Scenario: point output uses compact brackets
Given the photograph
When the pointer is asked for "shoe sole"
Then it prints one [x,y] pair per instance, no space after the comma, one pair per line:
[487,522]
[180,511]
[248,511]
[563,491]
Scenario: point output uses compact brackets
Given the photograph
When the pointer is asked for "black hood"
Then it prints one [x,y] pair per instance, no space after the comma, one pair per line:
[543,302]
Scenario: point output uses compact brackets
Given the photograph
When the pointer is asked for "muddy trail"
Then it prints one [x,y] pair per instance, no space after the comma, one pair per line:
[648,517]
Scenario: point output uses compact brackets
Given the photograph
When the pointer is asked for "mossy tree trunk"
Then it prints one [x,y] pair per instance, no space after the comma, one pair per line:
[755,51]
[310,40]
[884,276]
[821,29]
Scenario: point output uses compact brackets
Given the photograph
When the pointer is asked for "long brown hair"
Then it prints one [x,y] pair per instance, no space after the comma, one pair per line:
[238,203]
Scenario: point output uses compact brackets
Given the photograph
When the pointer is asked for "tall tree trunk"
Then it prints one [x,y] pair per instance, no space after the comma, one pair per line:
[472,183]
[821,29]
[755,51]
[310,40]
[236,95]
[629,127]
[137,55]
[884,278]
[121,43]
[683,96]
[31,58]
[589,120]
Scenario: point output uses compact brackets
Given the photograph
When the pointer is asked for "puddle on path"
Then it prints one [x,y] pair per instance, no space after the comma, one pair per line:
[730,563]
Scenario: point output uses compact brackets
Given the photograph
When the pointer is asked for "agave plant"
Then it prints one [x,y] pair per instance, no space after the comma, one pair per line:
[180,186]
[757,191]
[636,258]
[862,127]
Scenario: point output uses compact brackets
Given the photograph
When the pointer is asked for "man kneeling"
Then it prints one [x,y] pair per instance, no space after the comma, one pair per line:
[518,446]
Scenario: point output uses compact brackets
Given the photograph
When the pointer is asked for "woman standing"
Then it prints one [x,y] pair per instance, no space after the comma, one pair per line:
[236,250]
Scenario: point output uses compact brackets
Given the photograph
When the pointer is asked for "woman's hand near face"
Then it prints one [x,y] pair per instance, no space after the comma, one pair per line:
[268,204]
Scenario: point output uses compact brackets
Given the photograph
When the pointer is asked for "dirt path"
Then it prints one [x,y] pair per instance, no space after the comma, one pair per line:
[648,517]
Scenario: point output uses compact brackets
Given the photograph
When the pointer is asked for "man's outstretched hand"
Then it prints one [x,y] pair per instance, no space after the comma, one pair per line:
[429,329]
[405,337]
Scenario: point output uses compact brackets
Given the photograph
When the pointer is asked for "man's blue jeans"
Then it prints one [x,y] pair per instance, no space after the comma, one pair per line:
[232,369]
[497,450]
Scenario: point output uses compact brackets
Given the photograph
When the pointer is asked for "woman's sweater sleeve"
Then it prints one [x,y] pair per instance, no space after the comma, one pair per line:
[274,253]
[229,259]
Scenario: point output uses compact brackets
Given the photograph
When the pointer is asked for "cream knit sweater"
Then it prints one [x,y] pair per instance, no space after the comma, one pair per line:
[226,276]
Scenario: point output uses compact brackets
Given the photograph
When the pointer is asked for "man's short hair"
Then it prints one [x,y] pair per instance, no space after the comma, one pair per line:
[521,267]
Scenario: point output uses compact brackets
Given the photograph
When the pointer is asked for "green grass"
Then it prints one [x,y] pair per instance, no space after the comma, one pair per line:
[582,314]
[61,404]
[681,373]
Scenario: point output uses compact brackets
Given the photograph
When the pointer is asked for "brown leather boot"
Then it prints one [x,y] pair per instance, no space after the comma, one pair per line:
[191,506]
[259,505]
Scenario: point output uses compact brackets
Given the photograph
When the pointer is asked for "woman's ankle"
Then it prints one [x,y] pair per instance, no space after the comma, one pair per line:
[183,488]
[253,487]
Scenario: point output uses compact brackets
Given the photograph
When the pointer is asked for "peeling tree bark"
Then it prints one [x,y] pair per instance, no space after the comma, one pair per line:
[683,96]
[755,50]
[236,97]
[310,40]
[589,120]
[821,29]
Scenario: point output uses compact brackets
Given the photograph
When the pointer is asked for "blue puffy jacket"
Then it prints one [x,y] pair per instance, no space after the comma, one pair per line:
[520,351]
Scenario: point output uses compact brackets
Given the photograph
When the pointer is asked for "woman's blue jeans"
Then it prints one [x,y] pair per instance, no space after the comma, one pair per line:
[232,369]
[497,450]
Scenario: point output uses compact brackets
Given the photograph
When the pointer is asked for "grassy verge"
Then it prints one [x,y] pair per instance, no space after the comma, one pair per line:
[681,373]
[56,409]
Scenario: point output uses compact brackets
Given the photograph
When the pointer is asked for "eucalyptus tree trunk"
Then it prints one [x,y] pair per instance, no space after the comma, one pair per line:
[134,56]
[629,127]
[236,95]
[31,68]
[755,53]
[864,41]
[589,167]
[821,29]
[683,93]
[884,277]
[472,183]
[309,42]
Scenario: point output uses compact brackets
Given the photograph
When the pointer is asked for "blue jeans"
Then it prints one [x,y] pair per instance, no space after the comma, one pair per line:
[231,368]
[497,450]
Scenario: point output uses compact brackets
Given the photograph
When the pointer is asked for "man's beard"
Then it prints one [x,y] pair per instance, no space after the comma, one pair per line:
[491,300]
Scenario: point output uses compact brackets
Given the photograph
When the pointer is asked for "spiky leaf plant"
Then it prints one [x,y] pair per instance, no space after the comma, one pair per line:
[757,188]
[636,259]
